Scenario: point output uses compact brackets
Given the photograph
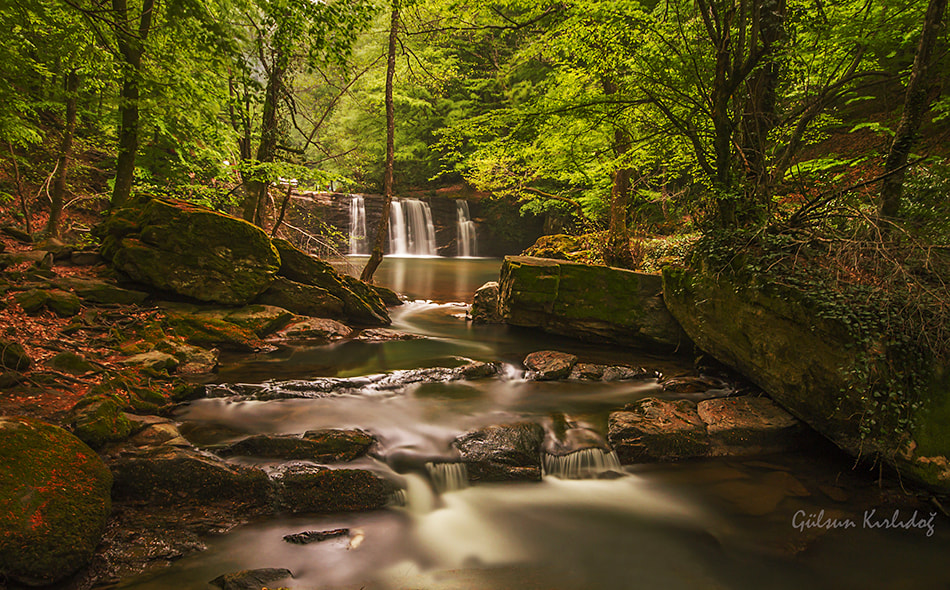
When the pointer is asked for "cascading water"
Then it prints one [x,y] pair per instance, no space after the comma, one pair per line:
[582,464]
[448,477]
[411,231]
[467,240]
[358,244]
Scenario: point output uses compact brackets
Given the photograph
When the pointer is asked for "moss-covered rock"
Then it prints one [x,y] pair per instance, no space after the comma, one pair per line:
[98,419]
[54,502]
[596,303]
[32,300]
[96,291]
[263,320]
[70,362]
[190,250]
[156,360]
[201,330]
[485,304]
[361,302]
[302,299]
[13,356]
[63,303]
[311,488]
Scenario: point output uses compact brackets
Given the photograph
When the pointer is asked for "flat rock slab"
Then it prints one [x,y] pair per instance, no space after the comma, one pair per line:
[549,365]
[736,424]
[322,329]
[302,488]
[319,446]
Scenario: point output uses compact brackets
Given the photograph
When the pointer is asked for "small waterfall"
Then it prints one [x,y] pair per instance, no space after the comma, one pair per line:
[583,464]
[467,241]
[448,477]
[411,231]
[358,244]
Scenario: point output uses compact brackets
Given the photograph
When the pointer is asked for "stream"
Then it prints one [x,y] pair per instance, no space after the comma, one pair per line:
[736,523]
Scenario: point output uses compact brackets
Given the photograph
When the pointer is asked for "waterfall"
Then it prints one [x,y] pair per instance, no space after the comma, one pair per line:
[583,464]
[467,242]
[358,244]
[447,477]
[411,232]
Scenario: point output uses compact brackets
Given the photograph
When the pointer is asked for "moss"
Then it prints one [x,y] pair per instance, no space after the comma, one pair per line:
[70,362]
[32,300]
[98,419]
[63,303]
[201,331]
[13,356]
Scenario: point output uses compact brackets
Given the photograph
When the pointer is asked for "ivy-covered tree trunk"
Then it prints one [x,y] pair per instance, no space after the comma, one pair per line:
[382,232]
[916,104]
[57,197]
[131,42]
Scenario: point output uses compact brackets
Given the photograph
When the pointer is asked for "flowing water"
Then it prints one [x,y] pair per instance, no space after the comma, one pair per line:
[467,239]
[590,524]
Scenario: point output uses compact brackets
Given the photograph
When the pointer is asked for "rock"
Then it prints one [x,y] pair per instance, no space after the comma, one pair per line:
[190,250]
[13,356]
[311,488]
[95,291]
[85,258]
[206,331]
[251,579]
[301,299]
[11,379]
[156,435]
[263,320]
[386,335]
[587,372]
[307,537]
[63,303]
[71,363]
[485,305]
[155,360]
[750,425]
[507,452]
[32,300]
[321,329]
[478,370]
[361,303]
[657,430]
[169,475]
[192,360]
[98,420]
[17,234]
[596,303]
[54,502]
[620,373]
[319,446]
[692,384]
[549,365]
[390,298]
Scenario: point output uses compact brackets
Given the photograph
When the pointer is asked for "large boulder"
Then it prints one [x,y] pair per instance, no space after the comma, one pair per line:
[810,360]
[312,488]
[54,502]
[549,365]
[506,452]
[596,303]
[361,302]
[190,250]
[485,304]
[301,298]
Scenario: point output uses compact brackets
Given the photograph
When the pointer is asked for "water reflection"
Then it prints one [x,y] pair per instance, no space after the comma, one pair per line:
[435,279]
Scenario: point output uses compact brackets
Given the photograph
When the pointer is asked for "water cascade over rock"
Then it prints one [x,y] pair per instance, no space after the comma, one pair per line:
[467,240]
[411,232]
[582,464]
[358,243]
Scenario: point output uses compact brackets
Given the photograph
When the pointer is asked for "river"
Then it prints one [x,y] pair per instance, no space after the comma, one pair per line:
[735,523]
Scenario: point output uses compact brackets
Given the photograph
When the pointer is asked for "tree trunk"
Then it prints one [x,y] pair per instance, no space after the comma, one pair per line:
[256,201]
[382,232]
[132,47]
[57,198]
[916,104]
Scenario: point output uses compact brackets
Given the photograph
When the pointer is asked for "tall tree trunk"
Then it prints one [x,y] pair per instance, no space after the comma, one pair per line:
[916,104]
[57,198]
[382,232]
[617,248]
[256,202]
[722,131]
[131,42]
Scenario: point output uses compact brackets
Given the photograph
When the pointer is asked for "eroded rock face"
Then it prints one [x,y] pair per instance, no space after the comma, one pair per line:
[485,305]
[596,303]
[190,250]
[54,502]
[507,452]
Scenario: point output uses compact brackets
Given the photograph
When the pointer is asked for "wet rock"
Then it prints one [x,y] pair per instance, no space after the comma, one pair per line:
[54,502]
[587,372]
[307,537]
[750,425]
[692,384]
[168,475]
[621,373]
[321,329]
[319,446]
[71,363]
[549,365]
[508,452]
[98,420]
[251,579]
[478,370]
[158,434]
[390,298]
[95,291]
[301,299]
[63,303]
[361,303]
[312,488]
[485,308]
[13,356]
[386,335]
[189,250]
[657,430]
[155,360]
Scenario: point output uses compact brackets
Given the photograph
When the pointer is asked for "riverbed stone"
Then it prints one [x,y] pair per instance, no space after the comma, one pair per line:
[386,335]
[54,502]
[304,488]
[505,452]
[657,430]
[190,250]
[750,425]
[319,446]
[301,298]
[321,329]
[549,365]
[595,303]
[485,305]
[251,579]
